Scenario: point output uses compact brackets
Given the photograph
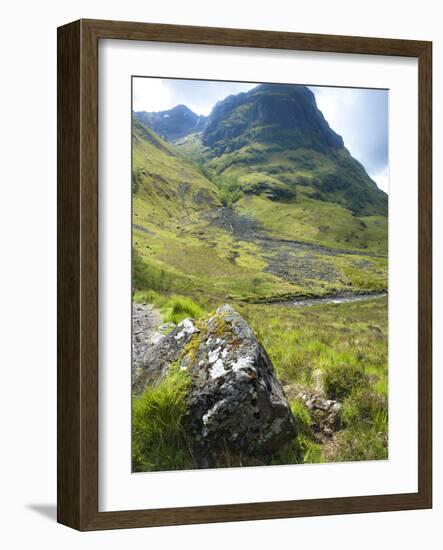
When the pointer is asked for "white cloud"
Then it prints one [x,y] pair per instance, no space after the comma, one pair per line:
[150,94]
[159,94]
[382,179]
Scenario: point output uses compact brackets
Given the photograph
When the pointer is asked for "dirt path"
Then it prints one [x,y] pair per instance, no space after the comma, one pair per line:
[145,321]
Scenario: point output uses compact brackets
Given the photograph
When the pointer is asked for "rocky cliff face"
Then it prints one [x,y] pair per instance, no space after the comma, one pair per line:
[235,401]
[269,113]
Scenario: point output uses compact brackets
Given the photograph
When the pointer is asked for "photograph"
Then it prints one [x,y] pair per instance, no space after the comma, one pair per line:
[259,274]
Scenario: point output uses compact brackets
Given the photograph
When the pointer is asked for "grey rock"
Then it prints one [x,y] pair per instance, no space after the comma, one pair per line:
[156,360]
[235,401]
[325,413]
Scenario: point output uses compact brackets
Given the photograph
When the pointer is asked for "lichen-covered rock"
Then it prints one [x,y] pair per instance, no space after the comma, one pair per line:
[235,402]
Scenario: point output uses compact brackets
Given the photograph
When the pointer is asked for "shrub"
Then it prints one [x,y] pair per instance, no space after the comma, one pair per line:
[136,180]
[310,452]
[229,190]
[158,441]
[149,297]
[147,276]
[341,380]
[174,308]
[364,417]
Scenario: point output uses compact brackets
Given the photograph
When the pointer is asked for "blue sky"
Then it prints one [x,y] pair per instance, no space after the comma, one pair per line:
[360,116]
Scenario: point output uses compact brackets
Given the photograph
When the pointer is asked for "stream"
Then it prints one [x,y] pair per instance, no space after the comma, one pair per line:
[304,302]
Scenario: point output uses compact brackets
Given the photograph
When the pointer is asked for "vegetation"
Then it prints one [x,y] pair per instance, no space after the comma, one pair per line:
[157,426]
[180,307]
[173,308]
[229,191]
[339,350]
[341,347]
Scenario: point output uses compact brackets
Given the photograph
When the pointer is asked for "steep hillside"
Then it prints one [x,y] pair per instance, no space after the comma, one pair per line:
[177,247]
[269,113]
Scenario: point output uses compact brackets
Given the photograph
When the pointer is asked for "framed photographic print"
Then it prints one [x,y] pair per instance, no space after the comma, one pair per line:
[244,275]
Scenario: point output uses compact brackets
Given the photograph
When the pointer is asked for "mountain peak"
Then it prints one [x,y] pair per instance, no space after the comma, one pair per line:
[285,114]
[183,109]
[172,123]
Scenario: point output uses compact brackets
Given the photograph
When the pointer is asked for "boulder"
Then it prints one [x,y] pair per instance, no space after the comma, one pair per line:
[235,402]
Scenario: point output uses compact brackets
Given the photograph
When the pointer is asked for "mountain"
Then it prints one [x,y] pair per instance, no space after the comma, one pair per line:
[274,142]
[173,123]
[274,139]
[163,182]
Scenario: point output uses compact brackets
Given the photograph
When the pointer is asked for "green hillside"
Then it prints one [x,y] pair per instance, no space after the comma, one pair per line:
[186,241]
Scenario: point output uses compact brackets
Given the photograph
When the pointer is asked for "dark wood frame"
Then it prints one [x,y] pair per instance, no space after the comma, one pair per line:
[77,456]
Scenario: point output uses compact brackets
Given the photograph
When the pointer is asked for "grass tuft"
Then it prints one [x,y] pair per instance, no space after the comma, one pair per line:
[158,442]
[179,307]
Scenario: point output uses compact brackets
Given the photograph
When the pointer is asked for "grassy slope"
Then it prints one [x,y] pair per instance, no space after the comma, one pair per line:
[183,252]
[179,249]
[322,223]
[328,341]
[310,214]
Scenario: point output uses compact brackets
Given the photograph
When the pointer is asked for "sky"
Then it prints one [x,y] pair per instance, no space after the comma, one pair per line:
[360,116]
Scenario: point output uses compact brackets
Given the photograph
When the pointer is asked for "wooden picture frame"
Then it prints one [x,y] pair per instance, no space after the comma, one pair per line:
[77,480]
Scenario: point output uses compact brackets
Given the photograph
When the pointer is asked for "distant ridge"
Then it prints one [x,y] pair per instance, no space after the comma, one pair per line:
[173,123]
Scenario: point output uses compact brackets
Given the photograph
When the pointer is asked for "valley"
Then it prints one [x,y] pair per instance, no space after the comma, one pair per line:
[260,206]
